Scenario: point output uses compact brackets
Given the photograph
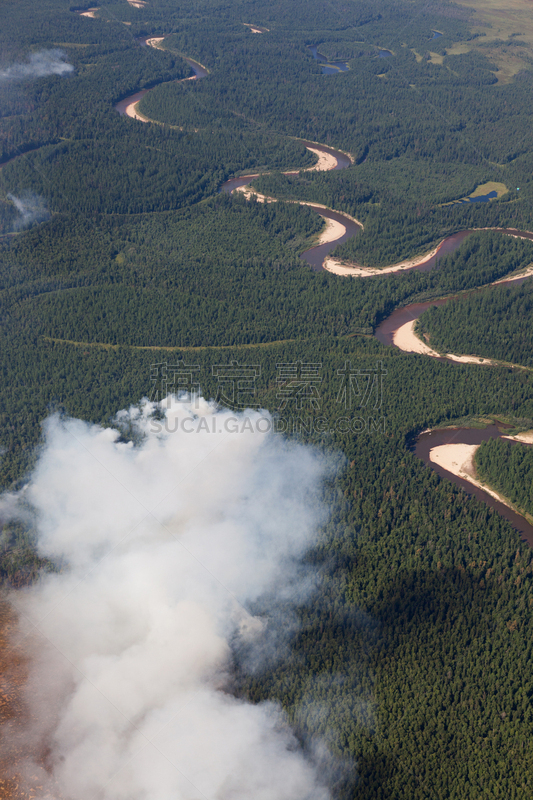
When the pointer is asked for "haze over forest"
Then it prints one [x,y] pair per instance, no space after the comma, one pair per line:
[266,587]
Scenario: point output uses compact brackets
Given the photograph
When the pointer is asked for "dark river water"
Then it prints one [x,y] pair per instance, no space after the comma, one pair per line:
[426,441]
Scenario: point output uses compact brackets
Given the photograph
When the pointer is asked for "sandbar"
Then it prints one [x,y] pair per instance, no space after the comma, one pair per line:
[340,268]
[250,193]
[326,161]
[406,339]
[459,460]
[523,274]
[525,438]
[355,271]
[132,112]
[333,230]
[254,29]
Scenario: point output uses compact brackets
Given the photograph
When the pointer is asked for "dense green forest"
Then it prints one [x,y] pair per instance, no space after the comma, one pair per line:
[494,323]
[412,658]
[509,468]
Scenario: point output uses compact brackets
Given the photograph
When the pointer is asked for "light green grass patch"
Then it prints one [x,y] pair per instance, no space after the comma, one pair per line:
[484,188]
[499,21]
[491,186]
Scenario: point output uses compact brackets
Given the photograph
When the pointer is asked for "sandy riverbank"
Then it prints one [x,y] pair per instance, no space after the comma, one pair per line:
[341,268]
[254,29]
[406,339]
[250,193]
[131,111]
[326,161]
[525,438]
[459,460]
[333,230]
[524,274]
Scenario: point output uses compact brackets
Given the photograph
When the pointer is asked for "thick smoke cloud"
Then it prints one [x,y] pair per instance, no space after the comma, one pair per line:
[31,209]
[163,546]
[41,64]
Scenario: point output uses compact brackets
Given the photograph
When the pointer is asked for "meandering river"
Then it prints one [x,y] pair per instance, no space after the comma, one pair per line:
[387,331]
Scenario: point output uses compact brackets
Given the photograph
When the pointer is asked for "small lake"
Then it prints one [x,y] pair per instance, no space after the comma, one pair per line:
[482,198]
[384,54]
[436,35]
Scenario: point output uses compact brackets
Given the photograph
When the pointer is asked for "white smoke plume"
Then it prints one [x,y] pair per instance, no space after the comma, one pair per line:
[40,64]
[31,208]
[163,546]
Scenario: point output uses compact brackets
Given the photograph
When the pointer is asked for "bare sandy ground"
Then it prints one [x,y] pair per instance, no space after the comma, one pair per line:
[406,339]
[253,29]
[132,112]
[326,161]
[90,13]
[459,460]
[137,3]
[525,438]
[524,274]
[250,193]
[339,268]
[154,41]
[333,230]
[320,205]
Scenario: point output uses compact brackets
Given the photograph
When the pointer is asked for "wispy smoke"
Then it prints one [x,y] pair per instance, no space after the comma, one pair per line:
[31,209]
[41,64]
[164,546]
